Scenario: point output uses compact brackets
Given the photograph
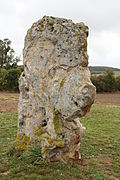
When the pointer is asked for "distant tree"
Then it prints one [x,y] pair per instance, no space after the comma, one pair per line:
[7,58]
[9,78]
[110,84]
[118,83]
[3,81]
[106,82]
[99,82]
[12,77]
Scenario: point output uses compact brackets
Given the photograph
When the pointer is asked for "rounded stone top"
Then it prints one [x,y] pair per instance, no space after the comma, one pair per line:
[56,26]
[69,39]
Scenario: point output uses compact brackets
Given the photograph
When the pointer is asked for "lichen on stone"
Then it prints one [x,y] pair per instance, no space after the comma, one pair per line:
[57,121]
[85,45]
[22,141]
[62,82]
[59,143]
[39,131]
[45,149]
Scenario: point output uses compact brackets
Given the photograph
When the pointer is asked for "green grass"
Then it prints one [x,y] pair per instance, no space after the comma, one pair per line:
[100,150]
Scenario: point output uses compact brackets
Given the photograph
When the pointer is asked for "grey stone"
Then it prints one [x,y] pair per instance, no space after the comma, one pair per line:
[55,88]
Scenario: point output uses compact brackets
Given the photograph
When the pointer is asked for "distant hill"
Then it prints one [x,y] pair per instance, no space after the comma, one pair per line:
[95,69]
[100,69]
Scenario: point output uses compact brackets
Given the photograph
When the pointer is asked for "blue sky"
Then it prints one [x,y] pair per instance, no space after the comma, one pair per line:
[102,17]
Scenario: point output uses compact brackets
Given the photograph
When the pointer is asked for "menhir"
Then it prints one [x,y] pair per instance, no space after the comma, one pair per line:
[55,88]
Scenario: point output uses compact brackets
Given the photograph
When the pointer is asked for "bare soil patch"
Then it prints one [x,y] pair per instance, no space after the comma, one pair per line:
[9,101]
[108,98]
[105,159]
[6,106]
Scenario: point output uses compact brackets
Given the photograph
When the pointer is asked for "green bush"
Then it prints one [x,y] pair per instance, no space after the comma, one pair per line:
[110,82]
[3,82]
[99,82]
[12,79]
[9,79]
[106,82]
[118,83]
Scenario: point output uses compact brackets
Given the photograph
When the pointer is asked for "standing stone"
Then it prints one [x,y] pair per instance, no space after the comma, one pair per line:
[55,88]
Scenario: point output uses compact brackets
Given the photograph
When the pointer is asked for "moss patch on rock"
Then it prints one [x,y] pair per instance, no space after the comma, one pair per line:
[22,142]
[57,122]
[39,131]
[59,143]
[62,82]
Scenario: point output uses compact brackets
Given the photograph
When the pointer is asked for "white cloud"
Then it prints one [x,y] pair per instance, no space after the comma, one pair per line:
[104,48]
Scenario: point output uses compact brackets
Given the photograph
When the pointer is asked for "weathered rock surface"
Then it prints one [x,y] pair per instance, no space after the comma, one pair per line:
[55,88]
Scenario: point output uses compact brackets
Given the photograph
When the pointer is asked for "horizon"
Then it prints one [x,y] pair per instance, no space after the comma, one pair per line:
[89,66]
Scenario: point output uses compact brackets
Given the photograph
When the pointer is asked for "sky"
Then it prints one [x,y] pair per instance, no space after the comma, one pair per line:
[101,16]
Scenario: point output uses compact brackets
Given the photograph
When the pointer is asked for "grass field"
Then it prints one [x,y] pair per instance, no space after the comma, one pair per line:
[100,148]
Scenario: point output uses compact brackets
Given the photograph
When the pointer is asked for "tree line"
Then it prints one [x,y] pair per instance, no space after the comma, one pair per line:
[9,69]
[106,82]
[10,72]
